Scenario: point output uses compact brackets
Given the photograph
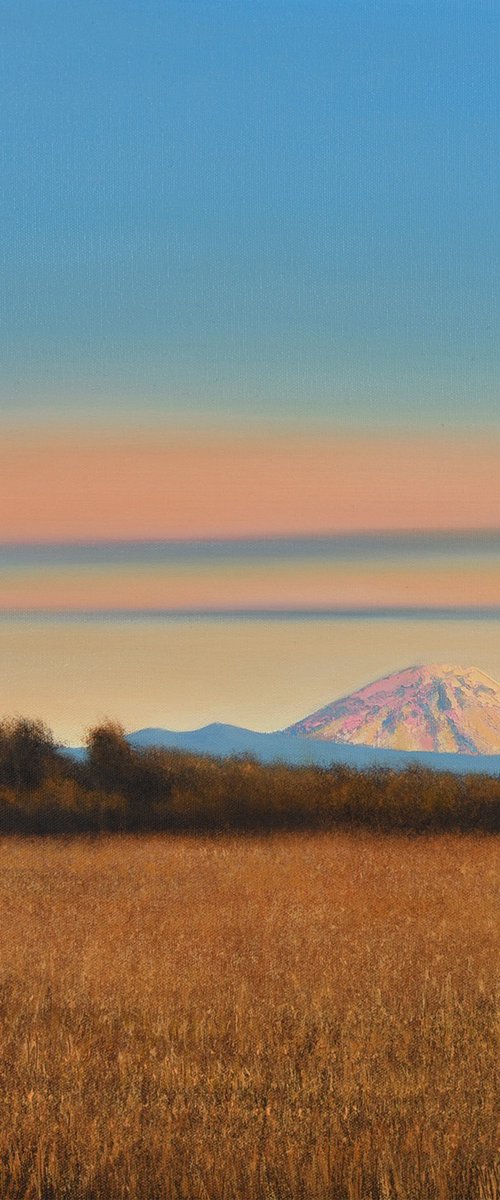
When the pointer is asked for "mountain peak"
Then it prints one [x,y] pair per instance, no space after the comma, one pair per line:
[431,706]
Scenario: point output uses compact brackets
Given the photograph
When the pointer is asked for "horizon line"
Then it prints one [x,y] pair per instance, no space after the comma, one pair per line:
[457,540]
[387,612]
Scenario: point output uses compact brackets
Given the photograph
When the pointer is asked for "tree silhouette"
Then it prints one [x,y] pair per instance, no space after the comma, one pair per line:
[28,754]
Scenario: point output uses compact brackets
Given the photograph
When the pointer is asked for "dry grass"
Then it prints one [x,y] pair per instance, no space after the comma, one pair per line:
[305,1016]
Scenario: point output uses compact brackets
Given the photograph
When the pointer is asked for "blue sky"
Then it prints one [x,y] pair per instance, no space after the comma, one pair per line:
[249,210]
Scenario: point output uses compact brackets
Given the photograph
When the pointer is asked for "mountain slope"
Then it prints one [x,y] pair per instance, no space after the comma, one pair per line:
[437,708]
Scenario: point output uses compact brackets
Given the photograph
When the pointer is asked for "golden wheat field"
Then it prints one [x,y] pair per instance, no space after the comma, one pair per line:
[285,1018]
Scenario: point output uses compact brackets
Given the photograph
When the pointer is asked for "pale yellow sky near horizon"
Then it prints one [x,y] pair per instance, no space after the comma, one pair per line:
[185,673]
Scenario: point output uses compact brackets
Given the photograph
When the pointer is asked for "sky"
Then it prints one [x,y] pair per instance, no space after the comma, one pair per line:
[249,300]
[251,211]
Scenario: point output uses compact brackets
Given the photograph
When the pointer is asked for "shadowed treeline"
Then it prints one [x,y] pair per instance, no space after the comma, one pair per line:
[116,787]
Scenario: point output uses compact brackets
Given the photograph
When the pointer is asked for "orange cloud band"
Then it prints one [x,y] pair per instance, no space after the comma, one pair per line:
[87,485]
[293,585]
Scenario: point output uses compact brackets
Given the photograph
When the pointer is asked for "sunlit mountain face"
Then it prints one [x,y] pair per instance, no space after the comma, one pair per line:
[434,707]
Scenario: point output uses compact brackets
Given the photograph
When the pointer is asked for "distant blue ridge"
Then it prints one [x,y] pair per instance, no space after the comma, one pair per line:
[224,741]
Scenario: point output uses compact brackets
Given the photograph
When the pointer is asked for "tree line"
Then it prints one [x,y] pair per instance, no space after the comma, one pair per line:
[114,786]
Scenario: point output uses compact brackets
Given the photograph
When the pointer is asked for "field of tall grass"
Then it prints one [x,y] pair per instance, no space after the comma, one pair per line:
[286,1017]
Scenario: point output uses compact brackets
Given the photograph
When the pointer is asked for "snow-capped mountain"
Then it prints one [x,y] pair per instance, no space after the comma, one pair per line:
[440,708]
